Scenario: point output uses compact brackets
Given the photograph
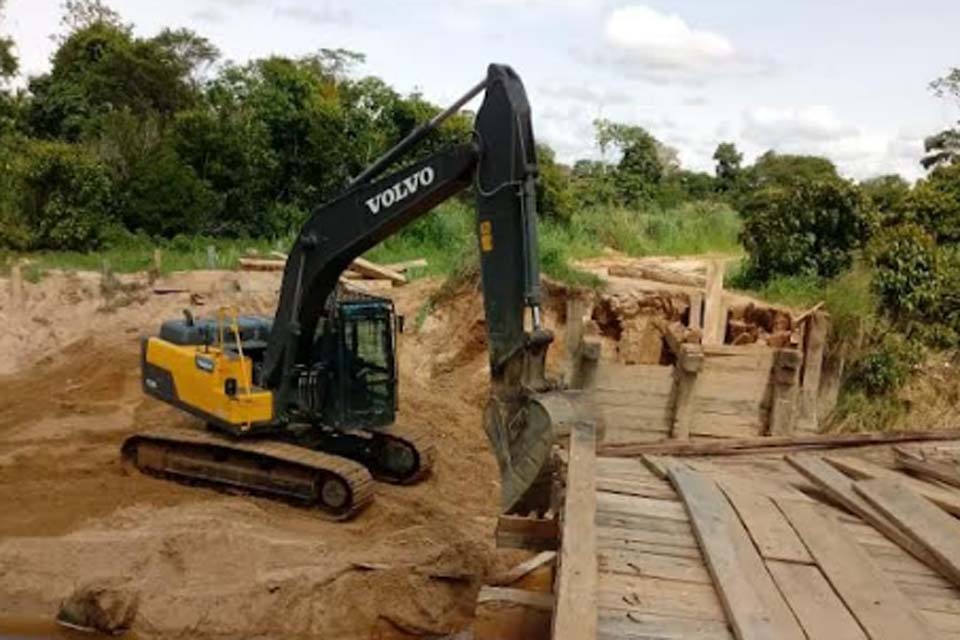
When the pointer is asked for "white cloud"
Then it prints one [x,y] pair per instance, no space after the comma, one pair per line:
[665,41]
[858,152]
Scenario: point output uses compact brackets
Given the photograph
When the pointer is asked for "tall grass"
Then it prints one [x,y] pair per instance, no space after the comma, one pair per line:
[446,238]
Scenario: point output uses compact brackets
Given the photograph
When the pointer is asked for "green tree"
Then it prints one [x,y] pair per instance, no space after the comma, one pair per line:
[934,204]
[906,275]
[100,66]
[729,166]
[66,197]
[887,193]
[8,60]
[808,228]
[640,169]
[555,196]
[943,148]
[774,169]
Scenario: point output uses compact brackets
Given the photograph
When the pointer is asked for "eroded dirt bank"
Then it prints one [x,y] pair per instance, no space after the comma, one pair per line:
[202,563]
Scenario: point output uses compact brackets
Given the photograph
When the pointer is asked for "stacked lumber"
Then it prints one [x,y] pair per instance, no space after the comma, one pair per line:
[859,542]
[373,275]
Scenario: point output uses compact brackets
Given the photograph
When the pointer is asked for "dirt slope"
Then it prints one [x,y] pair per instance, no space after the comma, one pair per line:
[206,564]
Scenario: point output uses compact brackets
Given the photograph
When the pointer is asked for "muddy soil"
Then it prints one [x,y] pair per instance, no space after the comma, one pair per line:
[205,564]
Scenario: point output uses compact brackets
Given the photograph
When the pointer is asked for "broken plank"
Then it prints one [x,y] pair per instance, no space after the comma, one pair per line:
[863,470]
[872,597]
[927,524]
[575,615]
[771,533]
[839,488]
[375,271]
[820,611]
[753,605]
[507,578]
[653,565]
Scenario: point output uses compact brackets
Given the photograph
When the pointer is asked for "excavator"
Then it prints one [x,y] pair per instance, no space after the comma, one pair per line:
[301,406]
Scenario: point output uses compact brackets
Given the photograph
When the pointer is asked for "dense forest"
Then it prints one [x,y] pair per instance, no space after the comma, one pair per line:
[145,141]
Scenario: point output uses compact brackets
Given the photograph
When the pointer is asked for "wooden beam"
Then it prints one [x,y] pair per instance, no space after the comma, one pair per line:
[714,322]
[657,273]
[507,578]
[870,595]
[575,614]
[512,614]
[754,606]
[735,446]
[917,517]
[261,264]
[773,536]
[818,324]
[519,532]
[786,374]
[838,488]
[863,470]
[376,272]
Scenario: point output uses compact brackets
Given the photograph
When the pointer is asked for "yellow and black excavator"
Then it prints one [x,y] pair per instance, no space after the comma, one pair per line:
[301,406]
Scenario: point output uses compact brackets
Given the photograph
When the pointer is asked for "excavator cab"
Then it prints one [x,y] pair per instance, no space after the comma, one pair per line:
[366,379]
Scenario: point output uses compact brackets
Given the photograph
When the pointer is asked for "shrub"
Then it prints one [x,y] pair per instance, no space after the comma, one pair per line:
[906,276]
[885,367]
[807,228]
[66,197]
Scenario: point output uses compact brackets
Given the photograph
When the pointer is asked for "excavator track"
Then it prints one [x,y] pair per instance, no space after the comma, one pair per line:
[407,442]
[340,488]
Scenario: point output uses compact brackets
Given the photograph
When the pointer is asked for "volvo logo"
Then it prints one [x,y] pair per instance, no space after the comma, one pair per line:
[400,191]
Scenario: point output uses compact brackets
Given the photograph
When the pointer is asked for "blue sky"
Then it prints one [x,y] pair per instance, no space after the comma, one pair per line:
[845,79]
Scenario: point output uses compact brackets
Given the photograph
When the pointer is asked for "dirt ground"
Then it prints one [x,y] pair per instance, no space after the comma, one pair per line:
[205,564]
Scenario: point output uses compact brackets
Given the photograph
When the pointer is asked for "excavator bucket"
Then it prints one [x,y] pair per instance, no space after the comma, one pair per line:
[522,437]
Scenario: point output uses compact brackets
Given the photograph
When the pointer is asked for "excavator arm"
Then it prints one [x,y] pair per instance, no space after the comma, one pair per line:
[500,163]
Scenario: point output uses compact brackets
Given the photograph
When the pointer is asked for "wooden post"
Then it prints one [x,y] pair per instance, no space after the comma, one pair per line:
[686,373]
[786,372]
[817,325]
[696,311]
[157,260]
[16,285]
[714,318]
[573,335]
[575,613]
[211,257]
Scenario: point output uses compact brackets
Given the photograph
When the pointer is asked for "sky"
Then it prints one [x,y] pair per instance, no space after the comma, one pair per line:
[845,79]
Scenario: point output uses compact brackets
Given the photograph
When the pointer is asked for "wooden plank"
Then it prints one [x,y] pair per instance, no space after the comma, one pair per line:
[575,615]
[658,465]
[638,506]
[773,536]
[530,565]
[665,597]
[512,614]
[821,613]
[815,336]
[653,565]
[753,605]
[686,374]
[375,271]
[786,372]
[630,625]
[872,597]
[714,326]
[657,273]
[774,444]
[839,488]
[406,265]
[695,317]
[921,520]
[518,532]
[863,470]
[260,264]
